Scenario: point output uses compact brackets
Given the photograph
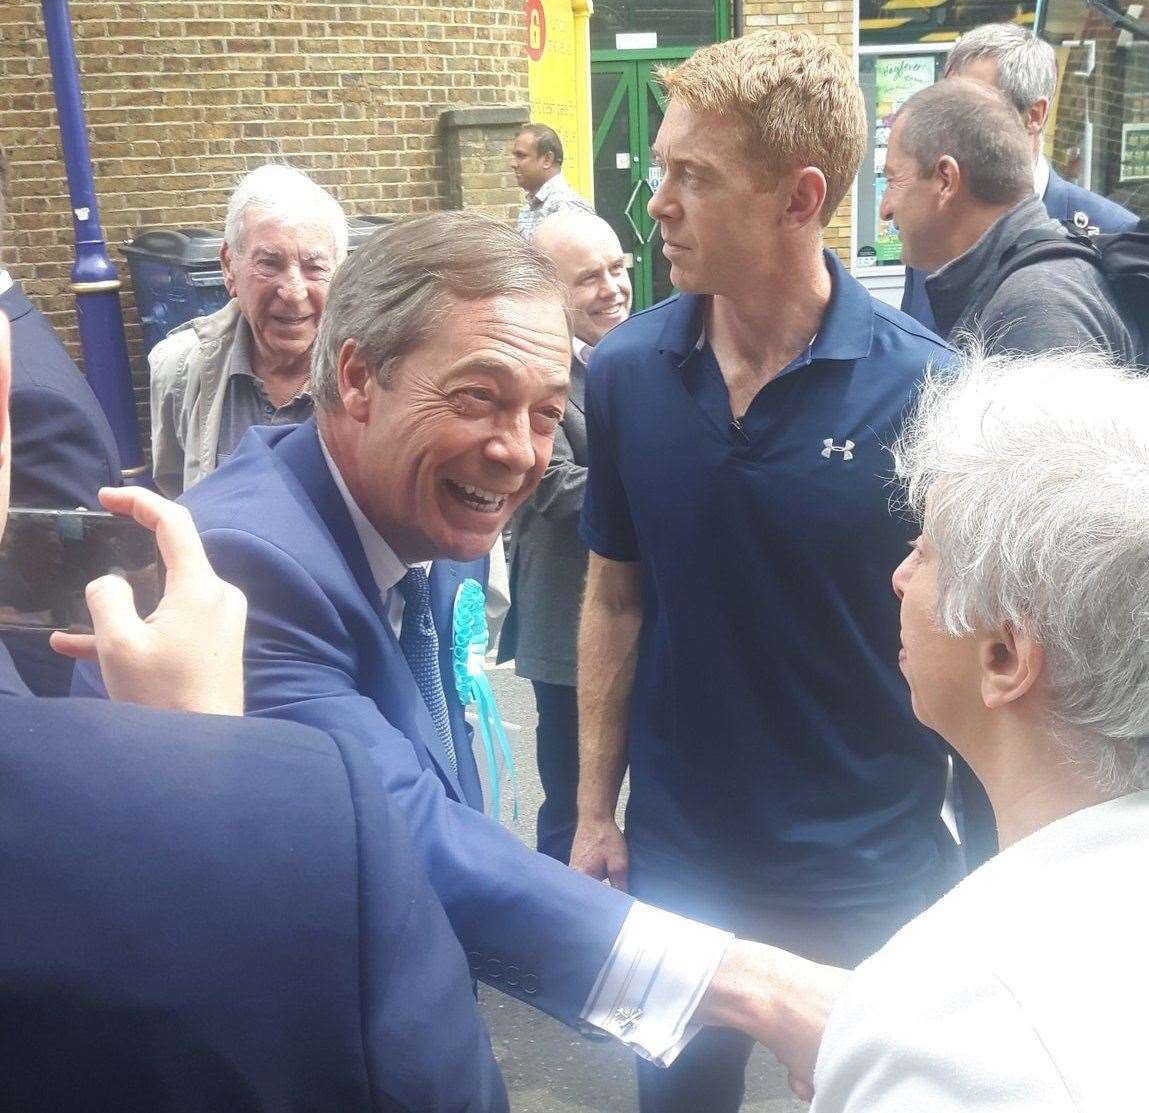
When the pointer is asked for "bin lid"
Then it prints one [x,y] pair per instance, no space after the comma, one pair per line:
[360,228]
[199,247]
[189,247]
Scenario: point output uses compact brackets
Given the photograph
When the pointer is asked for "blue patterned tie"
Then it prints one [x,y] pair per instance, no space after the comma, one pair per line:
[420,645]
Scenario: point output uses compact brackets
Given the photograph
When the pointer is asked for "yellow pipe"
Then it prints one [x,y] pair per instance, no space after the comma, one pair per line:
[582,10]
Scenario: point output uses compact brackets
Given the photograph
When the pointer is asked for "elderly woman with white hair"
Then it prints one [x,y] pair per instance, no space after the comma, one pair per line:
[248,363]
[1025,633]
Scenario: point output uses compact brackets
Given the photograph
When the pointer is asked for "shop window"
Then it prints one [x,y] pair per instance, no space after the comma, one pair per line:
[651,24]
[1098,129]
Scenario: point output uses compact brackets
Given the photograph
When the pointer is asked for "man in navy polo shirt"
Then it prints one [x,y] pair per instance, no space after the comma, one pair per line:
[739,642]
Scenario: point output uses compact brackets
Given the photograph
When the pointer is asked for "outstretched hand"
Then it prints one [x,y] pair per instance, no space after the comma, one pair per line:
[187,655]
[783,1001]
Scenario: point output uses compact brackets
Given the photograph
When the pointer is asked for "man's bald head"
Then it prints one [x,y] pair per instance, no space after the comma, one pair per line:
[592,266]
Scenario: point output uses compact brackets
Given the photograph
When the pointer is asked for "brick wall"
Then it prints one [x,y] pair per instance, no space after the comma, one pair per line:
[834,18]
[183,96]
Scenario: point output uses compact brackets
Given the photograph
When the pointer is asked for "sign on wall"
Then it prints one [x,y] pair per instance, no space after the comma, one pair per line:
[558,64]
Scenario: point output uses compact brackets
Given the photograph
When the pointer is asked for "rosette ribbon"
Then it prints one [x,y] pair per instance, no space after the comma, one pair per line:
[469,628]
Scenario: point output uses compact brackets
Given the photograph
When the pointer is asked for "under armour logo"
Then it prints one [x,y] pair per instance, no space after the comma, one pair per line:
[847,449]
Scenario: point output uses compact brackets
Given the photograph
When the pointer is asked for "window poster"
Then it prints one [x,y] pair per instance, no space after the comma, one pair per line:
[896,79]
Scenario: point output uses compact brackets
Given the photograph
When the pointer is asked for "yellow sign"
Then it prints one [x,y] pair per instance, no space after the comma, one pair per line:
[557,45]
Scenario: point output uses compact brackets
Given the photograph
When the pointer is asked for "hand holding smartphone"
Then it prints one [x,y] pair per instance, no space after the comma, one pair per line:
[48,557]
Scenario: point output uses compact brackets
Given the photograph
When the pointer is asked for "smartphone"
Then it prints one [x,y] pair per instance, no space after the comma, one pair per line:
[48,557]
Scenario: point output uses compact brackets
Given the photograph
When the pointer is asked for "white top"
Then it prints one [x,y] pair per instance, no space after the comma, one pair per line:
[1025,988]
[1040,176]
[660,964]
[5,281]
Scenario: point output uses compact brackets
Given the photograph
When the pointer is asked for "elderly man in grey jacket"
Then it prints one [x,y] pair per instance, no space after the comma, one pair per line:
[248,363]
[959,184]
[548,558]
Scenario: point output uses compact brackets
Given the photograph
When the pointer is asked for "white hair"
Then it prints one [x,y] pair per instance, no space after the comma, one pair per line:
[1031,476]
[1026,65]
[288,195]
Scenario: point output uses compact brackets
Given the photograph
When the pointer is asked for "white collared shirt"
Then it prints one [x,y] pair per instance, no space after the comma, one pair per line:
[1041,176]
[661,964]
[582,350]
[5,281]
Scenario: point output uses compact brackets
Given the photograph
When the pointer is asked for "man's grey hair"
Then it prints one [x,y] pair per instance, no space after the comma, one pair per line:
[399,287]
[291,198]
[1026,65]
[1031,476]
[975,125]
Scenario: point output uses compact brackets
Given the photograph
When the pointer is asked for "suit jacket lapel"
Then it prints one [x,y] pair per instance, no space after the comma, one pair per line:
[577,395]
[301,452]
[10,682]
[14,302]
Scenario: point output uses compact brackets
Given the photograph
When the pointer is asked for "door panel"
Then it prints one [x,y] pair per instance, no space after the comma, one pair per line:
[627,103]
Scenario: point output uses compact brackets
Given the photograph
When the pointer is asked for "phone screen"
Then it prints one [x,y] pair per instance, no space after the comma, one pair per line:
[48,557]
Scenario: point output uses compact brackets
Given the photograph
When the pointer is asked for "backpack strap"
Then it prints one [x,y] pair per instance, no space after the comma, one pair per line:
[1041,244]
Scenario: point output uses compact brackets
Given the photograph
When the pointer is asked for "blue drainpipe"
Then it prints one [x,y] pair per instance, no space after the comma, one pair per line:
[94,279]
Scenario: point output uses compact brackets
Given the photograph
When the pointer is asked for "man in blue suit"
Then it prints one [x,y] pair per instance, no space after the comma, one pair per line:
[1023,67]
[440,375]
[63,450]
[203,912]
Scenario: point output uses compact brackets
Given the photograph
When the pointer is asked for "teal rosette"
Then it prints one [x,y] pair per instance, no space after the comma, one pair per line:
[469,628]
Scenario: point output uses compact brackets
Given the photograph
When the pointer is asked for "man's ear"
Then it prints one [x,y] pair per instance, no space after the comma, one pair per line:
[1011,663]
[947,174]
[1035,115]
[225,264]
[807,196]
[354,380]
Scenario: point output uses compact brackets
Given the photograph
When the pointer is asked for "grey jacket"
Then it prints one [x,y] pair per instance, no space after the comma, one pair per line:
[1056,304]
[188,385]
[548,558]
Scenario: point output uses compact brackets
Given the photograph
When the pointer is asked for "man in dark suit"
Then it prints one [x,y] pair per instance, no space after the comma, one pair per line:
[203,912]
[63,448]
[548,558]
[440,375]
[1024,67]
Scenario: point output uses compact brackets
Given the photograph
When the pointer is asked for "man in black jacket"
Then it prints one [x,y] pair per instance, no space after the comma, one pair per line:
[959,187]
[1024,67]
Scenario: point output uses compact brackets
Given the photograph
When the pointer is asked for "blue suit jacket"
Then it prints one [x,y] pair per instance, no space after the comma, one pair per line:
[206,913]
[63,452]
[1062,199]
[320,651]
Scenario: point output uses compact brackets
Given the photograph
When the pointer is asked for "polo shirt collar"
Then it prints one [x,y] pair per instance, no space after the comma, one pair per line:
[846,331]
[555,184]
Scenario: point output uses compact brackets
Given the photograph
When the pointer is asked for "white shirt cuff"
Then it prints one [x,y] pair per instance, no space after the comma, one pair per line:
[659,968]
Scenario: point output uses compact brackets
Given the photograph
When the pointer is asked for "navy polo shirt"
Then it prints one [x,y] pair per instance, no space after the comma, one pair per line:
[771,741]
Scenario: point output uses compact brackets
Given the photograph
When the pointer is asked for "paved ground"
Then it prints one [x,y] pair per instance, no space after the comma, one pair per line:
[550,1069]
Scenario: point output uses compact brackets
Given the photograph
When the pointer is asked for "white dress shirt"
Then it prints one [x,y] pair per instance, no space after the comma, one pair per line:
[1041,176]
[661,964]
